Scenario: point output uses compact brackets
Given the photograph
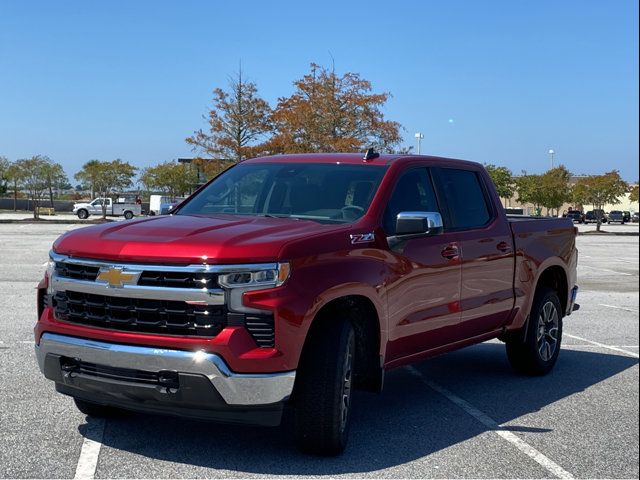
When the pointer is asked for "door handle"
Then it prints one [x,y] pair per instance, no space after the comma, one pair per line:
[451,252]
[503,247]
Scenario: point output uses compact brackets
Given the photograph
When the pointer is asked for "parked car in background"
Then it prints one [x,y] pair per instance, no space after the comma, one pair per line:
[297,279]
[616,216]
[576,216]
[155,203]
[635,218]
[119,208]
[592,216]
[162,204]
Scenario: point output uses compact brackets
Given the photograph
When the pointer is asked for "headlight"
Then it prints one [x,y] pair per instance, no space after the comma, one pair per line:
[259,278]
[236,283]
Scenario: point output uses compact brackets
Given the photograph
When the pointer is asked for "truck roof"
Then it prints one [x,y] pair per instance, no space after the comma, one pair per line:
[349,158]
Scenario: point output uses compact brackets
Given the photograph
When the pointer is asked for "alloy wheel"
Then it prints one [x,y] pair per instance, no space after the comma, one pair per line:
[547,335]
[346,388]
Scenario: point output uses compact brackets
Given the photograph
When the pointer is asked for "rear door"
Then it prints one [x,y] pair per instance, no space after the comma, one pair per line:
[424,291]
[486,246]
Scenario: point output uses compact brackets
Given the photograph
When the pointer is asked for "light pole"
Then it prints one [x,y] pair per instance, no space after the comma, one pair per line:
[419,136]
[552,153]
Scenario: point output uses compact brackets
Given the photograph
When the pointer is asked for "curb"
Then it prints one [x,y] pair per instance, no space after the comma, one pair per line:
[610,234]
[55,222]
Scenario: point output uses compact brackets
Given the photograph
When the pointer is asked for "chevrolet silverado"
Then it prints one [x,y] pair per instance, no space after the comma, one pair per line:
[295,279]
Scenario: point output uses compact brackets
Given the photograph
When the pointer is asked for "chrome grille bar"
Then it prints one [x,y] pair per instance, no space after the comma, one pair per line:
[208,296]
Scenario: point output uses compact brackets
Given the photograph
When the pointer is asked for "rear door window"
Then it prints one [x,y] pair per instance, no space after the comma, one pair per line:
[465,198]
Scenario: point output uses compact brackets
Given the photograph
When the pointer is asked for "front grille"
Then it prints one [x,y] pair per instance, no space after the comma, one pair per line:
[148,278]
[261,328]
[139,315]
[77,272]
[178,279]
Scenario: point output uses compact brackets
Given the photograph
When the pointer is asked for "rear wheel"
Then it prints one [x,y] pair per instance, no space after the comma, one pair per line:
[93,409]
[323,390]
[128,215]
[538,352]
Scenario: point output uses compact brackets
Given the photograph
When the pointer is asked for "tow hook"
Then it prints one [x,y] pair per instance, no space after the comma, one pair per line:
[69,366]
[168,381]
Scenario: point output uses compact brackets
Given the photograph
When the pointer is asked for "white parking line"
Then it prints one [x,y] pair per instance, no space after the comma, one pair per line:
[605,270]
[602,345]
[492,425]
[596,346]
[88,460]
[619,308]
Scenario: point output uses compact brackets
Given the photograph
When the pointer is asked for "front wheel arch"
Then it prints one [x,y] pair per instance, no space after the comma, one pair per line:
[363,316]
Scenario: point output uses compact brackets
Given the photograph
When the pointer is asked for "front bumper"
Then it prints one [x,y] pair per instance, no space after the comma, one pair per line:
[186,383]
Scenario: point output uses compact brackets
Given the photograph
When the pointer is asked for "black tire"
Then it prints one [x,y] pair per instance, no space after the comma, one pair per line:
[93,409]
[83,214]
[128,215]
[323,390]
[537,352]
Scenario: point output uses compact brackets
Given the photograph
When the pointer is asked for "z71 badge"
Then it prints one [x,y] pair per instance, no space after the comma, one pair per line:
[361,238]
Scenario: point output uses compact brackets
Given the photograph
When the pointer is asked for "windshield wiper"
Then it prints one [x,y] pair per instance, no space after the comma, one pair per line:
[271,215]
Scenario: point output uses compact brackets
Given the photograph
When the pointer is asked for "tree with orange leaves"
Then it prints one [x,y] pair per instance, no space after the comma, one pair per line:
[332,113]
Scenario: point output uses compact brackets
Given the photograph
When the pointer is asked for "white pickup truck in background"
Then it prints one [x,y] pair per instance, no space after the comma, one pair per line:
[119,208]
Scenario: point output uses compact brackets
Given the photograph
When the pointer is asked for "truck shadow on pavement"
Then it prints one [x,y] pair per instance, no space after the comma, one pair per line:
[407,421]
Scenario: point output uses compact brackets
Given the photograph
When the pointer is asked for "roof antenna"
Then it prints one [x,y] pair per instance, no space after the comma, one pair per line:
[370,154]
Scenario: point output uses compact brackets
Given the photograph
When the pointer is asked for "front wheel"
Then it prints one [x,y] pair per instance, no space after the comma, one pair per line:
[538,352]
[323,390]
[83,214]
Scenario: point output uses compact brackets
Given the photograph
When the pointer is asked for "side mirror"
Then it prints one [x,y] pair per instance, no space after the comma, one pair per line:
[418,223]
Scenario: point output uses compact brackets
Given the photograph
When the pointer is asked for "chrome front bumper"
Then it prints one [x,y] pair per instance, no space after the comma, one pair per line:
[236,389]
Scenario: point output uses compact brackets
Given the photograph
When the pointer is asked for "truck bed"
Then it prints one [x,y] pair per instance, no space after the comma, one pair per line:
[540,243]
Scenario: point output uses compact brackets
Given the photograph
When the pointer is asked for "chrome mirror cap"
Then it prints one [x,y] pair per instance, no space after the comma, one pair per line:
[419,223]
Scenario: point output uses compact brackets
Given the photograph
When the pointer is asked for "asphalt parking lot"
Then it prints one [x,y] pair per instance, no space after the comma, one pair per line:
[465,414]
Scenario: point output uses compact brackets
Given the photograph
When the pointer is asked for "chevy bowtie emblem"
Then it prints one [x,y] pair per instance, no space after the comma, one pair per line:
[116,278]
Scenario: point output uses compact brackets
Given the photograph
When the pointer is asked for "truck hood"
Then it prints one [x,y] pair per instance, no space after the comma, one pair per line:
[80,205]
[186,239]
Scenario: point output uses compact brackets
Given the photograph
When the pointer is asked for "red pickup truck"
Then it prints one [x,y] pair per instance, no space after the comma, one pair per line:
[295,279]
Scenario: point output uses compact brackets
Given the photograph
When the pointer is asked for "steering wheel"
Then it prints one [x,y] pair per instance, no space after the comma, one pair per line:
[352,211]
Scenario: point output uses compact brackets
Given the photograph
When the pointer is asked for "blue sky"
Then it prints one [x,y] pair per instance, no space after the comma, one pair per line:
[491,81]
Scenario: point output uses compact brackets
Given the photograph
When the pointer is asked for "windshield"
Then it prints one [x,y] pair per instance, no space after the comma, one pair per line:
[324,192]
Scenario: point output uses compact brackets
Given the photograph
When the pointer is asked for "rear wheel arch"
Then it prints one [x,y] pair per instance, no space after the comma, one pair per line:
[555,278]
